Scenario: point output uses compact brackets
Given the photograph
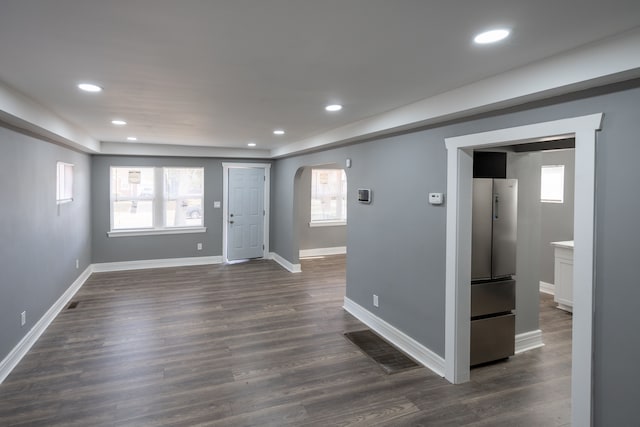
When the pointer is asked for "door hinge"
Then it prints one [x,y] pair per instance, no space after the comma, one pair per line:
[263,247]
[264,212]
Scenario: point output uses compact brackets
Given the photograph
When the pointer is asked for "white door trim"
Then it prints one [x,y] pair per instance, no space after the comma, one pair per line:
[225,202]
[458,252]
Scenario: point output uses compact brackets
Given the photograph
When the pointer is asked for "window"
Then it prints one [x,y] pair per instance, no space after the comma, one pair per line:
[183,192]
[64,182]
[147,200]
[552,184]
[328,197]
[132,198]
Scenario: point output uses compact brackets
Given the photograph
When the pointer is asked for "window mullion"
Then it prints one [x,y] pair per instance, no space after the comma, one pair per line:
[159,198]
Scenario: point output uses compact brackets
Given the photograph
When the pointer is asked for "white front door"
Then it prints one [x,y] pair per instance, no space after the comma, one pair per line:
[245,217]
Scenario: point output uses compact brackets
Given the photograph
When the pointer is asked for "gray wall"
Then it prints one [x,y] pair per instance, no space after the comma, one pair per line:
[557,218]
[397,244]
[398,239]
[315,237]
[114,249]
[39,240]
[525,167]
[538,225]
[617,288]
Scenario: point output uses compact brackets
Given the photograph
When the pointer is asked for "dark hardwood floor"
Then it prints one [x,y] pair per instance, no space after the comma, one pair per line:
[251,344]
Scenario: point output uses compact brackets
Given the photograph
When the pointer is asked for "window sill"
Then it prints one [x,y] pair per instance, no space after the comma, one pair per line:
[154,232]
[327,224]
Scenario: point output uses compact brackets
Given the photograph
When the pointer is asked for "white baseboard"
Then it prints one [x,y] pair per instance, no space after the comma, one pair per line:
[292,268]
[528,341]
[547,288]
[21,349]
[338,250]
[155,263]
[398,338]
[565,305]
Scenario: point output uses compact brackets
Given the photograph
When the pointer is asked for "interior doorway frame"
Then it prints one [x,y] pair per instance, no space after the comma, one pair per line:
[458,251]
[225,203]
[335,250]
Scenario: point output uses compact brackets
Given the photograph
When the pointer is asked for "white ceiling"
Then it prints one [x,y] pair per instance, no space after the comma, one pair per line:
[224,73]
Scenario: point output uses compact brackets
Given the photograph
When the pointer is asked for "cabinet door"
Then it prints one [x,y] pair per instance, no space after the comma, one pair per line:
[563,278]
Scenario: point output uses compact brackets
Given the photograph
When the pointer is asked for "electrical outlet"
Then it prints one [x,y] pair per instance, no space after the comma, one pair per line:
[375,300]
[23,318]
[77,264]
[199,246]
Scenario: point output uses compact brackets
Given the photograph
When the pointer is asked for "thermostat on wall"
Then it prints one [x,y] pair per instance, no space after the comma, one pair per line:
[436,198]
[364,195]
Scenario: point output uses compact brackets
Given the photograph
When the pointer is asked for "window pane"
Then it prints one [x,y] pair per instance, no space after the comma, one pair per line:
[132,183]
[132,197]
[64,182]
[67,188]
[132,214]
[552,184]
[184,197]
[328,195]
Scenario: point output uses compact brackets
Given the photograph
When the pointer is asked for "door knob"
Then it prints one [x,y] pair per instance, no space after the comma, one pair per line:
[230,222]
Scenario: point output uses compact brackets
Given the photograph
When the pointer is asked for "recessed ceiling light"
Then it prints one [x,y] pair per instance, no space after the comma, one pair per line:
[278,132]
[132,138]
[118,122]
[89,87]
[333,107]
[251,144]
[491,36]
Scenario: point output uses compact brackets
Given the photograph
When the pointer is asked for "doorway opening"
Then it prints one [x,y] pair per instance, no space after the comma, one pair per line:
[458,252]
[513,250]
[320,212]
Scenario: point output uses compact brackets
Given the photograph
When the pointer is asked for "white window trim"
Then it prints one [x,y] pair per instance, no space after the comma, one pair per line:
[155,231]
[158,209]
[327,223]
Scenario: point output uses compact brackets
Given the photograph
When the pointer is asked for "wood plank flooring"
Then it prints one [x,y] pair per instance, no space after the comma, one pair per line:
[253,345]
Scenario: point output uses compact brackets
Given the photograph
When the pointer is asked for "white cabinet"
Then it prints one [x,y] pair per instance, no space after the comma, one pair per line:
[563,274]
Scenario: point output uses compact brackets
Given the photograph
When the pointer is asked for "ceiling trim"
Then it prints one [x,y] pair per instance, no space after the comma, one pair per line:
[608,61]
[22,112]
[142,149]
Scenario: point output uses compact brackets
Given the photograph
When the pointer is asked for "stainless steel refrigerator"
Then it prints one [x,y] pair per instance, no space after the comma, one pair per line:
[493,263]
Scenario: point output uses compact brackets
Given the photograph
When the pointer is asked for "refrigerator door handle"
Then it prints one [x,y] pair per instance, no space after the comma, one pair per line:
[496,203]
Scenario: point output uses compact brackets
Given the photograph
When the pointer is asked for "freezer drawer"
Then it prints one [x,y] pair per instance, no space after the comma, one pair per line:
[492,338]
[493,297]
